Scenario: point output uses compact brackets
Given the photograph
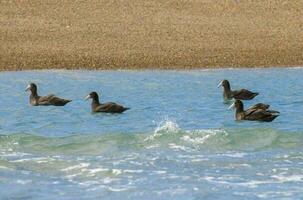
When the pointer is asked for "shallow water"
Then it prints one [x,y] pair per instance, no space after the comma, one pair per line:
[178,141]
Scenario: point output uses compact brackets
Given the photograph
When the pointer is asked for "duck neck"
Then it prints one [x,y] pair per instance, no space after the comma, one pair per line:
[240,115]
[95,101]
[226,92]
[240,109]
[34,94]
[226,88]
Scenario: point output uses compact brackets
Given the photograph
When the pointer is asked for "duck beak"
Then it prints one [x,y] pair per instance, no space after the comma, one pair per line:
[27,88]
[232,106]
[87,97]
[220,84]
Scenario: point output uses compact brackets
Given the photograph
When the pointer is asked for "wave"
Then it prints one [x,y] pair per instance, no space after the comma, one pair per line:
[167,135]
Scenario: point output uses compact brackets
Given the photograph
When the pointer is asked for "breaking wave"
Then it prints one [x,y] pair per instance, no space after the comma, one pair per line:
[167,134]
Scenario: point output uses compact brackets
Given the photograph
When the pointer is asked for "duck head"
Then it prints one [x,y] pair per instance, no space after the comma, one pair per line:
[238,105]
[92,95]
[32,87]
[225,84]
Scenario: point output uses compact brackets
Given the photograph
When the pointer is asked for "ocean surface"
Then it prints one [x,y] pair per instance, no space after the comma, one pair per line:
[178,140]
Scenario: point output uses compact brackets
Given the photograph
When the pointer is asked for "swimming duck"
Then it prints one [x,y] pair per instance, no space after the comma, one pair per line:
[241,94]
[36,100]
[108,107]
[254,113]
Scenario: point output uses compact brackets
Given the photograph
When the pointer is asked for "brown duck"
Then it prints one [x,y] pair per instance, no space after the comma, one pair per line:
[257,112]
[241,94]
[49,100]
[108,107]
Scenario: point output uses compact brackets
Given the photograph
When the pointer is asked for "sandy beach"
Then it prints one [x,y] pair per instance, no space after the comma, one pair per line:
[162,34]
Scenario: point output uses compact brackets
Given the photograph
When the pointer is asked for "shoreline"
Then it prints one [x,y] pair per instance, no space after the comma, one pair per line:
[144,68]
[153,69]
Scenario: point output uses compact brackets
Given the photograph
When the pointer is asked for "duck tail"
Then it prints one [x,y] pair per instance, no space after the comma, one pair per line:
[271,118]
[126,109]
[275,116]
[273,112]
[67,101]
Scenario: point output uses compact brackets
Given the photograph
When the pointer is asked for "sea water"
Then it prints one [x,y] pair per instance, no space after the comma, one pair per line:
[178,140]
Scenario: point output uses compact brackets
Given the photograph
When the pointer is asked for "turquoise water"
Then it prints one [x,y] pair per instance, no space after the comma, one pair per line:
[178,141]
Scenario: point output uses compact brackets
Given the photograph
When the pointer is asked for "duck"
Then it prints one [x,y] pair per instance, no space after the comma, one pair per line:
[242,94]
[257,112]
[49,100]
[109,107]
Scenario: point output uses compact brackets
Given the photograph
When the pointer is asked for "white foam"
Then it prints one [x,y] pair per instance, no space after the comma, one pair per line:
[198,137]
[167,126]
[38,160]
[254,183]
[116,171]
[133,171]
[136,163]
[178,147]
[109,180]
[89,183]
[81,165]
[73,175]
[23,182]
[6,168]
[119,189]
[289,178]
[22,160]
[16,154]
[134,156]
[278,194]
[235,155]
[197,140]
[250,184]
[199,160]
[152,146]
[97,170]
[159,172]
[164,127]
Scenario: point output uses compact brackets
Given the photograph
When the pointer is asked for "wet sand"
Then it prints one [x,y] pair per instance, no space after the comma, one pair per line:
[160,34]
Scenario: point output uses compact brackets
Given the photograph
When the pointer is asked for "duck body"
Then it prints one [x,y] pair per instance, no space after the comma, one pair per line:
[49,100]
[109,107]
[241,94]
[256,115]
[261,106]
[257,112]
